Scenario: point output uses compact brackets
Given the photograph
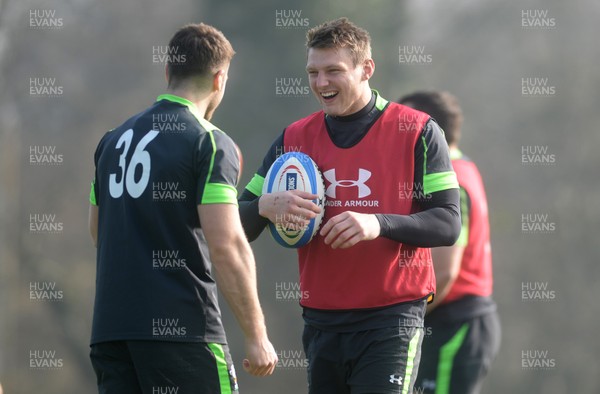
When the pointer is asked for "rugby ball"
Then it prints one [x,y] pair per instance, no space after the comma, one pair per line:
[295,171]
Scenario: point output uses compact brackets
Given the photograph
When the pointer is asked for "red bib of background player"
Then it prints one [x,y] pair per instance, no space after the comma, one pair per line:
[475,275]
[374,176]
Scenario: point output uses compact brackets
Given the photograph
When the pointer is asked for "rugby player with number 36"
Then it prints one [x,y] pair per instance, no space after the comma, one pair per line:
[165,219]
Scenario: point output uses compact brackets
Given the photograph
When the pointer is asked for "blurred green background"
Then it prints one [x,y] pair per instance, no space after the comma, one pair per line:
[489,54]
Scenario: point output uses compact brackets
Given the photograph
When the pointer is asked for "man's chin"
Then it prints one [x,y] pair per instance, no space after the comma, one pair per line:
[330,111]
[333,112]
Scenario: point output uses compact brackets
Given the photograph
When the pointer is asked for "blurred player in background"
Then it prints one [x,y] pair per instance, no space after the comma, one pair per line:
[165,218]
[367,276]
[462,323]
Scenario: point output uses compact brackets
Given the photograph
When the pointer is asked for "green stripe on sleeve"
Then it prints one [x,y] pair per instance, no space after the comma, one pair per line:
[219,193]
[212,156]
[219,354]
[413,346]
[424,160]
[93,194]
[255,185]
[463,238]
[439,181]
[447,354]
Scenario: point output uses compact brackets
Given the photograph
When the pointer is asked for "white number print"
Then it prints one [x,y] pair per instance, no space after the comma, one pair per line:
[140,158]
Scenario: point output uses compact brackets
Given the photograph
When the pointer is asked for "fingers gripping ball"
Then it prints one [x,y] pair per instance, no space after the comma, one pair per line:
[295,171]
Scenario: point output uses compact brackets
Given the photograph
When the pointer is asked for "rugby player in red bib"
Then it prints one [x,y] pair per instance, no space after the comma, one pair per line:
[391,194]
[462,320]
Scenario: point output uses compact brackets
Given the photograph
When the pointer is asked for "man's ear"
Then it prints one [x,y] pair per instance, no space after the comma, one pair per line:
[167,73]
[219,81]
[368,69]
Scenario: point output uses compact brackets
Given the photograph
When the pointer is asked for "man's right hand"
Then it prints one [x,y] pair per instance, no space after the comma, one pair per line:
[289,206]
[262,358]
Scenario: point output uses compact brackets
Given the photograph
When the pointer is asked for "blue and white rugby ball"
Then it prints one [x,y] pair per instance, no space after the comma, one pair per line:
[295,171]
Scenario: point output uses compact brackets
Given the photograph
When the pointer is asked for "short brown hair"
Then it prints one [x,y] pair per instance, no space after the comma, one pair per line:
[341,33]
[441,106]
[202,49]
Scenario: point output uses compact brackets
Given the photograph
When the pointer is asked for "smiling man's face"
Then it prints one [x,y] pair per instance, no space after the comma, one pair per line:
[340,87]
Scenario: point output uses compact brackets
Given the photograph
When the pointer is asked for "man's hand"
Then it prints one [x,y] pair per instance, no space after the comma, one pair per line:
[262,358]
[349,228]
[289,206]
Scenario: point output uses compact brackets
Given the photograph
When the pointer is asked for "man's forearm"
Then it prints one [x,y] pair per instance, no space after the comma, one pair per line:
[446,263]
[252,222]
[437,225]
[236,278]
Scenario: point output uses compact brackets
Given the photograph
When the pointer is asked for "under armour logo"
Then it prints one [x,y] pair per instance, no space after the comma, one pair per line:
[396,379]
[363,189]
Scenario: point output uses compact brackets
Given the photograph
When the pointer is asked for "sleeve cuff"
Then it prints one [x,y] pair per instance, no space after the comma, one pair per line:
[218,193]
[255,185]
[93,194]
[439,181]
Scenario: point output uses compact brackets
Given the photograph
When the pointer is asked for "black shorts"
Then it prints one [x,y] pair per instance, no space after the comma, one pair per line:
[457,355]
[158,367]
[378,361]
